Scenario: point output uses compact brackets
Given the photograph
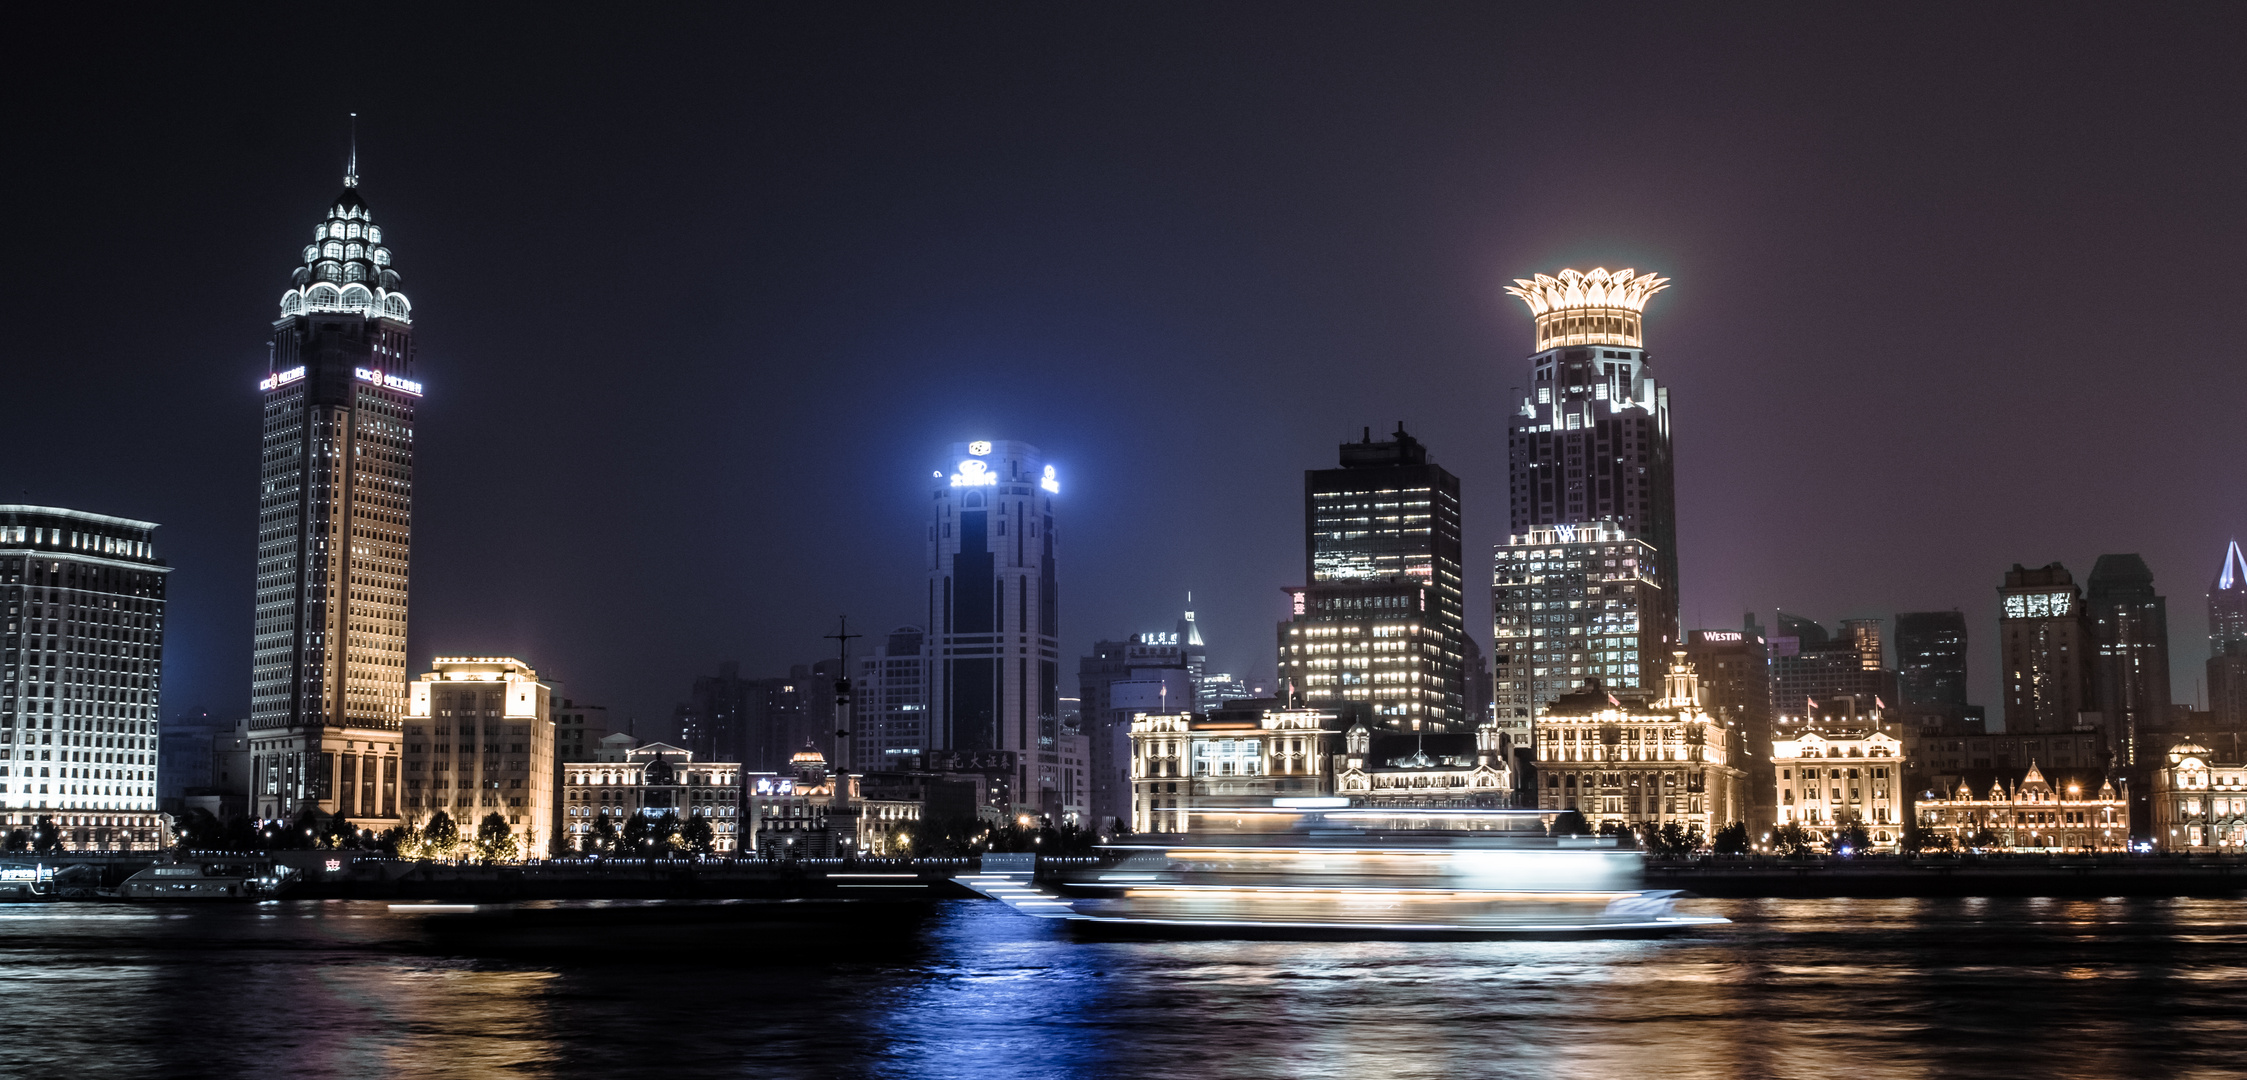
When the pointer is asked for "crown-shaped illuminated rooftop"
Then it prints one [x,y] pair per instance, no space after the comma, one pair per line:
[346,267]
[1596,308]
[2233,576]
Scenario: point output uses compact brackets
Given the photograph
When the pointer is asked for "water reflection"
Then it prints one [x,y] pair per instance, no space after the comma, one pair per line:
[1875,988]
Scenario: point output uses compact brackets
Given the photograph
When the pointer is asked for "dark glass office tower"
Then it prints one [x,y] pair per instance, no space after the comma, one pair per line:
[994,645]
[1931,658]
[335,514]
[2130,668]
[1379,635]
[1585,585]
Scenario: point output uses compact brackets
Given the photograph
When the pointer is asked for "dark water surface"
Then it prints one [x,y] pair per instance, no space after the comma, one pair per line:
[1796,988]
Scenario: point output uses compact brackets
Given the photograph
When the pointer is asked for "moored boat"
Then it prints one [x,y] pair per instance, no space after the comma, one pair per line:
[223,878]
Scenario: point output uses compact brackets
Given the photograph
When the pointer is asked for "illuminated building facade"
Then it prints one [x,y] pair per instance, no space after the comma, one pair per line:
[2129,660]
[479,740]
[81,665]
[1629,761]
[656,780]
[1586,582]
[1574,603]
[1378,634]
[1440,770]
[994,667]
[2046,647]
[335,513]
[1243,755]
[2199,803]
[797,815]
[1838,771]
[890,699]
[2033,815]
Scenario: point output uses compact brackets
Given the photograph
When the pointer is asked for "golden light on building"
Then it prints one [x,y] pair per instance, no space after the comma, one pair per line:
[1596,308]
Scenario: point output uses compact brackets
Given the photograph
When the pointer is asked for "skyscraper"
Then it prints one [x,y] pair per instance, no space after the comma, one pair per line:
[80,668]
[1379,632]
[1586,583]
[994,609]
[2227,642]
[1931,658]
[891,726]
[2130,668]
[335,514]
[2045,650]
[2227,602]
[1735,673]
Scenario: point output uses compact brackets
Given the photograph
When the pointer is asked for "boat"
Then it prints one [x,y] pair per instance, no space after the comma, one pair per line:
[1319,868]
[27,880]
[239,877]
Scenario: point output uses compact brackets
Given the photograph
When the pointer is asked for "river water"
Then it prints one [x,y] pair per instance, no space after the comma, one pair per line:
[1794,988]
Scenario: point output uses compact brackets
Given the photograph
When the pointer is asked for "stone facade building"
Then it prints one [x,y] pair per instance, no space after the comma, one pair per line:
[1834,773]
[656,779]
[1238,756]
[2034,815]
[478,741]
[1623,762]
[2199,803]
[812,813]
[1388,769]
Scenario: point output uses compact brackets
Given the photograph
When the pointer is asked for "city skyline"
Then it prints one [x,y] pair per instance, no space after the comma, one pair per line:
[560,380]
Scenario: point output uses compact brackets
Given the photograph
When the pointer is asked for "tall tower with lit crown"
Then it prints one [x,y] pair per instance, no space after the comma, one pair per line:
[1585,586]
[994,647]
[335,513]
[2227,641]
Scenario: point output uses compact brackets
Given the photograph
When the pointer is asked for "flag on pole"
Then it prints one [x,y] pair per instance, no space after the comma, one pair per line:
[1810,704]
[1878,704]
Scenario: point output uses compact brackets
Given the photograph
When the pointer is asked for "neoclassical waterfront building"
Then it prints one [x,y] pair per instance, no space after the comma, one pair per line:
[656,779]
[1239,756]
[1839,771]
[2034,815]
[1455,770]
[2199,803]
[812,812]
[1624,761]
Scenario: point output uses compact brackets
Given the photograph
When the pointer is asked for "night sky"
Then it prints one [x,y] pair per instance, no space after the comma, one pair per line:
[700,301]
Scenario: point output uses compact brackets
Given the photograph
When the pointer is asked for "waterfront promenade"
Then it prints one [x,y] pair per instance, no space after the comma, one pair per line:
[350,875]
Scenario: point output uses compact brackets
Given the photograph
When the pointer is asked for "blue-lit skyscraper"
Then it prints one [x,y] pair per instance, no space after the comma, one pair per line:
[993,621]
